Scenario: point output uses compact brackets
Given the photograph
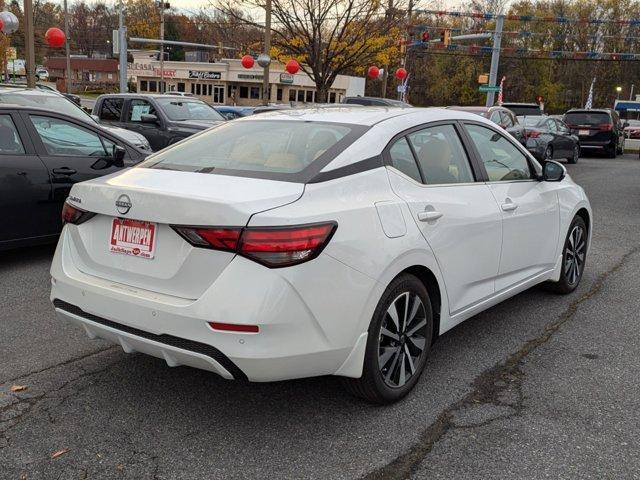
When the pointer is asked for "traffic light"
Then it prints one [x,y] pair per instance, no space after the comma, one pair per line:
[445,37]
[425,36]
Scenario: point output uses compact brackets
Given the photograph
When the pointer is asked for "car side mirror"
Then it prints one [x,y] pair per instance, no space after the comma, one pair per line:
[552,171]
[148,118]
[118,155]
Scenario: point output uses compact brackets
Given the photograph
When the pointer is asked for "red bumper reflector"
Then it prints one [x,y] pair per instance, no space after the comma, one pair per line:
[234,327]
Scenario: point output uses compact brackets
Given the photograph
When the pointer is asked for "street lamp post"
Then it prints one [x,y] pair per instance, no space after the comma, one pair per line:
[267,47]
[618,90]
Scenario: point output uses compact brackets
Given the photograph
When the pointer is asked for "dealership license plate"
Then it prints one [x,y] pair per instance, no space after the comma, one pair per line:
[583,133]
[133,237]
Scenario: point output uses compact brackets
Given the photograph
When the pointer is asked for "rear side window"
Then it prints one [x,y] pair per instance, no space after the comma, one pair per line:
[587,118]
[265,149]
[441,156]
[111,109]
[9,139]
[64,138]
[402,159]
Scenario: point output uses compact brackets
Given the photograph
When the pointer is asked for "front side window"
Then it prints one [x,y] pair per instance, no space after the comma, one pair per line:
[64,138]
[271,147]
[502,160]
[138,108]
[111,109]
[507,121]
[441,156]
[10,143]
[187,109]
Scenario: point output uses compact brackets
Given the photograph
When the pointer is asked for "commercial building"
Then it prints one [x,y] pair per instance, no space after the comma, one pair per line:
[227,82]
[83,69]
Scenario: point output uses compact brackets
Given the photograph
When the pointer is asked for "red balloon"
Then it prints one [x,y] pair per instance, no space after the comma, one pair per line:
[292,66]
[401,74]
[55,37]
[247,61]
[373,71]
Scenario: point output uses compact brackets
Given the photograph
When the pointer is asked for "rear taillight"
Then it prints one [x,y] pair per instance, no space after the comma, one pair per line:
[605,127]
[271,246]
[75,215]
[532,134]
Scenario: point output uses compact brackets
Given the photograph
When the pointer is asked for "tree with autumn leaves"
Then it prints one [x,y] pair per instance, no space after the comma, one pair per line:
[329,37]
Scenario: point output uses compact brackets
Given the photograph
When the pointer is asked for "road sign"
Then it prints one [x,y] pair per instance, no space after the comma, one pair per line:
[489,88]
[483,78]
[402,88]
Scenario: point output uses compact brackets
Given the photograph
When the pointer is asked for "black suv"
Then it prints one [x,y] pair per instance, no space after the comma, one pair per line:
[162,119]
[599,129]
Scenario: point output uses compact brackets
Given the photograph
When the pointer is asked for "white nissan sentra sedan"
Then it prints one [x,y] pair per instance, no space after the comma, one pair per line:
[331,241]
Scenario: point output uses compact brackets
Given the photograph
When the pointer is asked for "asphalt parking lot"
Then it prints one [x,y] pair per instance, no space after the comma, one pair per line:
[541,386]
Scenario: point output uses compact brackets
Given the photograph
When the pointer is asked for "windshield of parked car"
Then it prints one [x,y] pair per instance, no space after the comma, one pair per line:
[188,109]
[586,118]
[56,103]
[281,147]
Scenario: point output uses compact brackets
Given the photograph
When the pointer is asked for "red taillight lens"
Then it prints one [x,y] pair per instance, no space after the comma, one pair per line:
[216,238]
[532,134]
[605,127]
[271,246]
[75,215]
[234,327]
[285,246]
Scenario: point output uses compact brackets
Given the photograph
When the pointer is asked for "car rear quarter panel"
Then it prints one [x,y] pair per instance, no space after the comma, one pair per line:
[347,303]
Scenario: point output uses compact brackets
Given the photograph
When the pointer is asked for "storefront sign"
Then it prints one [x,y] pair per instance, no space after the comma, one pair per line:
[205,75]
[249,76]
[147,70]
[286,78]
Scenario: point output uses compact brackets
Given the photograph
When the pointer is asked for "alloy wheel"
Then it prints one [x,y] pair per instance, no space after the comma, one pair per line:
[575,255]
[402,339]
[548,154]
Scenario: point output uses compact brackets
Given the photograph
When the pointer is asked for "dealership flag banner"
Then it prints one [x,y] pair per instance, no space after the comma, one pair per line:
[589,104]
[500,92]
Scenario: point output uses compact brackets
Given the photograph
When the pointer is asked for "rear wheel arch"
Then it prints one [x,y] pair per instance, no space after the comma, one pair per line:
[430,282]
[584,214]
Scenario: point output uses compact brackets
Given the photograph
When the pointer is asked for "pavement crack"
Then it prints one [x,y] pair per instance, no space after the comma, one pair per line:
[488,390]
[61,364]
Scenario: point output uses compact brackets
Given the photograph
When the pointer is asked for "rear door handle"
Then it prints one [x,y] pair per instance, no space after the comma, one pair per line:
[429,215]
[509,206]
[64,171]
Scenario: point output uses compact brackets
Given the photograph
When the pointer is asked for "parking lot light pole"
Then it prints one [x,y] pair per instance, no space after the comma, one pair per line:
[30,51]
[267,48]
[122,48]
[67,79]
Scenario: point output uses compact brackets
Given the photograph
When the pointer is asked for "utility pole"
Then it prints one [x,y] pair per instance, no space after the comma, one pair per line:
[162,4]
[30,67]
[631,92]
[267,48]
[122,47]
[67,79]
[495,59]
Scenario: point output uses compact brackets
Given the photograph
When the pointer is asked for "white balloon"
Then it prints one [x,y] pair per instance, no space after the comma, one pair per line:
[264,60]
[10,22]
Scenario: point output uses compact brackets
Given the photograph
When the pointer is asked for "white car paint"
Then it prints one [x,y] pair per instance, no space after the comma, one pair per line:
[314,316]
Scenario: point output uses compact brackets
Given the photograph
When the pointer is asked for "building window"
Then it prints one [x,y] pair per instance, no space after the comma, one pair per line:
[218,94]
[292,95]
[255,93]
[301,95]
[153,86]
[309,98]
[279,95]
[144,86]
[332,97]
[244,92]
[181,86]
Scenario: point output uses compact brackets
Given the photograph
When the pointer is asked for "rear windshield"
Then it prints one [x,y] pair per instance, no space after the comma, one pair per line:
[273,149]
[188,109]
[587,118]
[54,102]
[523,109]
[531,121]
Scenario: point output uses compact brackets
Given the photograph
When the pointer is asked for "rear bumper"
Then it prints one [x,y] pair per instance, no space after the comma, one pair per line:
[308,315]
[596,144]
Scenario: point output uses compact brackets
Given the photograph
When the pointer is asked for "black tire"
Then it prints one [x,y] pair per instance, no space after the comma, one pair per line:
[620,148]
[548,153]
[569,278]
[576,155]
[376,383]
[611,150]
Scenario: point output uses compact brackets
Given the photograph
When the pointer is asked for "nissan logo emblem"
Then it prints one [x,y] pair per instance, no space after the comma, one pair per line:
[123,204]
